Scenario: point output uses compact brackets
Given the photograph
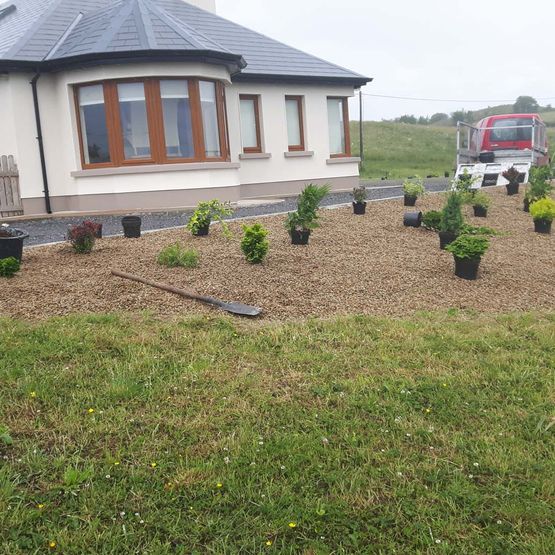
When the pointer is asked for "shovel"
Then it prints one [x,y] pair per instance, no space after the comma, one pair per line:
[234,308]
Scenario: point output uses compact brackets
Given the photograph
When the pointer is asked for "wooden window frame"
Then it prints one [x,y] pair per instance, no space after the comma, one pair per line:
[256,101]
[347,129]
[300,103]
[155,118]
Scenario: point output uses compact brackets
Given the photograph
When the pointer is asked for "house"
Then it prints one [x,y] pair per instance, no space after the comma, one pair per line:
[148,104]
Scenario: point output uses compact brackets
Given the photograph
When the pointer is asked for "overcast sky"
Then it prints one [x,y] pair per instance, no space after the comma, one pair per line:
[442,49]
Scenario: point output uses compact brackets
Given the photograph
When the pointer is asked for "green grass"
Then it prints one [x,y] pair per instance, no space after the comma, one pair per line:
[129,435]
[400,150]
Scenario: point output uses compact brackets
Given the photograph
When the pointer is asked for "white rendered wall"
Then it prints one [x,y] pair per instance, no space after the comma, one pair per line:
[61,142]
[8,142]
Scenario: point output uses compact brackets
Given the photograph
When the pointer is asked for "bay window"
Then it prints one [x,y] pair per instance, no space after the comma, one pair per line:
[151,121]
[295,124]
[251,135]
[338,125]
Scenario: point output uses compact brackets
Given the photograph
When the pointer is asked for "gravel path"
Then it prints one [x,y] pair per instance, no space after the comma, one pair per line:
[50,230]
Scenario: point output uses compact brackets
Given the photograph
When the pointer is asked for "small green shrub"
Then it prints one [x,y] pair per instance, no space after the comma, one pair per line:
[540,184]
[481,200]
[81,238]
[359,194]
[174,256]
[543,210]
[432,220]
[414,187]
[306,216]
[463,184]
[254,243]
[467,229]
[9,267]
[471,247]
[451,216]
[206,213]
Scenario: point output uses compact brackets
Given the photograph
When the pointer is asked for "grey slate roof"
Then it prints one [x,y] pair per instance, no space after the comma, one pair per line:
[58,33]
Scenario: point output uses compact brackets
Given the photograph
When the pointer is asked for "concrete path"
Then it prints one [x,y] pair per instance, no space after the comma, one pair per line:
[54,229]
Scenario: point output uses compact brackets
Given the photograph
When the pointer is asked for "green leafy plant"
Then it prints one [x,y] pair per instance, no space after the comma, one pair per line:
[254,243]
[359,194]
[467,229]
[543,210]
[451,216]
[81,238]
[414,187]
[471,247]
[540,184]
[432,220]
[305,217]
[174,256]
[5,437]
[463,184]
[481,200]
[512,175]
[9,267]
[207,212]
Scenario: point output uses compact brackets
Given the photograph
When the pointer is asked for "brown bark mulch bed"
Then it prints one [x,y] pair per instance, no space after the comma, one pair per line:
[354,264]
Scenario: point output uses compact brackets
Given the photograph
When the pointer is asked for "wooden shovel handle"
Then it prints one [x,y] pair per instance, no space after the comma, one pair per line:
[187,293]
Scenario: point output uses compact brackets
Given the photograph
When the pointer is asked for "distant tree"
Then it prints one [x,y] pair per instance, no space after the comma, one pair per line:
[423,120]
[461,115]
[439,116]
[407,119]
[526,105]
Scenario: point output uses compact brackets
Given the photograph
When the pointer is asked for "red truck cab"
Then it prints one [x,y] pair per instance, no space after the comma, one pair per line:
[513,132]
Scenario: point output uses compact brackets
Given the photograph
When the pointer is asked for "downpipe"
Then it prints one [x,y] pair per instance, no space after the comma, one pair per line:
[46,189]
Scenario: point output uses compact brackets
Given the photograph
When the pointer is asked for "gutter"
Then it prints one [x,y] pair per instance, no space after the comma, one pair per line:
[46,190]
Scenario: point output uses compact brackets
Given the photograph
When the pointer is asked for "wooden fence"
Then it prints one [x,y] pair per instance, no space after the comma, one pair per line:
[10,199]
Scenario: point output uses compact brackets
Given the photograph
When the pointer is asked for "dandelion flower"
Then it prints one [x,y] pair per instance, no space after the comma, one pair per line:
[40,506]
[52,544]
[153,464]
[444,385]
[292,525]
[219,485]
[428,410]
[268,543]
[90,411]
[117,463]
[33,394]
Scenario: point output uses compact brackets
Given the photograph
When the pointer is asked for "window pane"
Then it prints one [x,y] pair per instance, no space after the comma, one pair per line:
[248,123]
[336,126]
[293,122]
[134,122]
[92,112]
[178,128]
[210,119]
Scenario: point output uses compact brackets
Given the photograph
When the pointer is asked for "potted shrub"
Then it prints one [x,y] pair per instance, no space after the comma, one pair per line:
[543,212]
[451,220]
[480,204]
[131,227]
[412,189]
[540,186]
[254,243]
[431,220]
[467,250]
[205,214]
[81,238]
[300,223]
[11,242]
[9,266]
[359,204]
[512,175]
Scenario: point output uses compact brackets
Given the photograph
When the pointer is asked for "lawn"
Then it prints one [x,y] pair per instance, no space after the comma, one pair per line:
[399,150]
[131,434]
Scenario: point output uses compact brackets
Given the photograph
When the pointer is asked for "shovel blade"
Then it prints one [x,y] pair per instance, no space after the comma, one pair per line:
[241,309]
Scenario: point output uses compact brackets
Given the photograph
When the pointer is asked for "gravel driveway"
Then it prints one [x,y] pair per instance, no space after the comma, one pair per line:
[50,230]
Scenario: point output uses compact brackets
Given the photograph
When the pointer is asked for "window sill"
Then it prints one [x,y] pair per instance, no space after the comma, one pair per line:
[343,160]
[299,154]
[157,168]
[255,156]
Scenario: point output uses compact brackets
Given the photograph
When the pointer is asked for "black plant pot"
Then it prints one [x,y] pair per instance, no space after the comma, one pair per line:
[410,201]
[445,238]
[466,268]
[526,204]
[480,211]
[446,174]
[98,232]
[359,208]
[542,226]
[512,188]
[13,246]
[202,231]
[412,219]
[300,237]
[131,227]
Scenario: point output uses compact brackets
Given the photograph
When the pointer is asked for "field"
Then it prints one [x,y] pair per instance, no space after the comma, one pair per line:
[124,435]
[399,150]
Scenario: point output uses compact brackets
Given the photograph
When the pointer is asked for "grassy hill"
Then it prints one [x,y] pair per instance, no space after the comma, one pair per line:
[399,150]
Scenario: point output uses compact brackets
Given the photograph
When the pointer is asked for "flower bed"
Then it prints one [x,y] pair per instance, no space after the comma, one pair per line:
[369,264]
